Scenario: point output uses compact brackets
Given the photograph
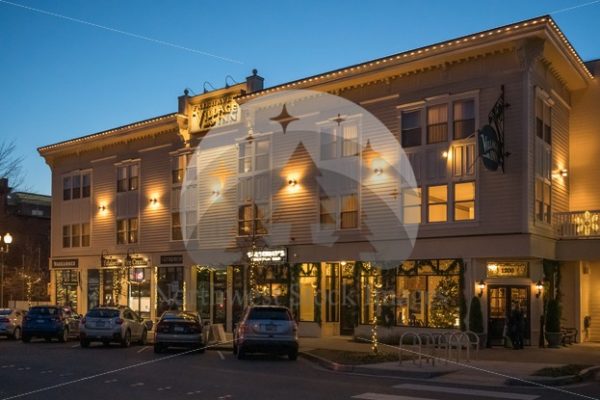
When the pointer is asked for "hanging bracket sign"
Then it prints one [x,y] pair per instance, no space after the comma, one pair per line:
[491,136]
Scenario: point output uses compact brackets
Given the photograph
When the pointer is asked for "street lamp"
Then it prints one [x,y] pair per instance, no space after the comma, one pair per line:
[3,249]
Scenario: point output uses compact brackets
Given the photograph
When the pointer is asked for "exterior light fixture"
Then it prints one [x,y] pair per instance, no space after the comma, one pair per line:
[102,208]
[292,182]
[444,154]
[153,201]
[539,286]
[8,238]
[564,173]
[378,171]
[216,193]
[480,286]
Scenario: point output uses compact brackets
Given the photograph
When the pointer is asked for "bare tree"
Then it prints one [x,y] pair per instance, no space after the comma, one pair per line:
[11,164]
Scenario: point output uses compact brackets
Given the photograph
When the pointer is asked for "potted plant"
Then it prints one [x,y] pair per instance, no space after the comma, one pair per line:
[553,334]
[476,320]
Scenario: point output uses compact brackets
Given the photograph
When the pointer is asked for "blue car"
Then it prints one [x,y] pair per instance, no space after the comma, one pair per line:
[49,322]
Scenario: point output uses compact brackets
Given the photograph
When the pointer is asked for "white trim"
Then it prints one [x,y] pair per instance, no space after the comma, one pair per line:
[413,105]
[560,99]
[378,99]
[162,146]
[103,159]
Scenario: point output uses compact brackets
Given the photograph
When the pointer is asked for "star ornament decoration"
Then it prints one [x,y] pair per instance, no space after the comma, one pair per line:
[587,224]
[284,118]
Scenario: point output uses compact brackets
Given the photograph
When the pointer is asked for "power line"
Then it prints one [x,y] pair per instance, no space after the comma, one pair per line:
[574,7]
[130,34]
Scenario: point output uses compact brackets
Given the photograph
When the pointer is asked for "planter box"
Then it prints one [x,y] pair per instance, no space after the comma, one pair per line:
[554,339]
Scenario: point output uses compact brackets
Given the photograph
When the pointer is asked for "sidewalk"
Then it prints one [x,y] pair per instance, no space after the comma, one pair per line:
[487,366]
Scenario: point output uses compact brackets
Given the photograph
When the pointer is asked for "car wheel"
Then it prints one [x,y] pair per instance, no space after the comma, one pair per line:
[84,343]
[158,348]
[64,336]
[240,353]
[16,334]
[293,355]
[126,341]
[26,338]
[144,337]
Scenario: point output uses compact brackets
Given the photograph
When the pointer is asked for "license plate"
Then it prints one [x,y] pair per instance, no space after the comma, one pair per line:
[178,329]
[99,324]
[271,328]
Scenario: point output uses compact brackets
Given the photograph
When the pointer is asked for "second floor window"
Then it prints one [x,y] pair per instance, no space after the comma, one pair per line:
[253,156]
[464,201]
[437,123]
[76,235]
[127,231]
[411,206]
[437,203]
[339,212]
[252,219]
[182,168]
[463,119]
[76,186]
[339,141]
[543,157]
[127,179]
[411,128]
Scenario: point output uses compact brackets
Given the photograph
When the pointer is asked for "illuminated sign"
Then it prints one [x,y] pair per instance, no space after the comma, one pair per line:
[215,113]
[507,270]
[275,256]
[65,263]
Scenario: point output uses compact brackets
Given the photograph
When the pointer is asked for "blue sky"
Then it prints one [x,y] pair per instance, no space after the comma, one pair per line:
[61,79]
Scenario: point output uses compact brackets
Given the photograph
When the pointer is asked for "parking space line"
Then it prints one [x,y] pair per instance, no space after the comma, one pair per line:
[143,349]
[220,354]
[75,346]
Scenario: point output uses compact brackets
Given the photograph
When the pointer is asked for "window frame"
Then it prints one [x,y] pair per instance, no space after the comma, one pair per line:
[543,162]
[339,142]
[127,230]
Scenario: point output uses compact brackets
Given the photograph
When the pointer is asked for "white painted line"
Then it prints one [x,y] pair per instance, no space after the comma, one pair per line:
[470,392]
[137,384]
[75,346]
[220,354]
[381,396]
[143,349]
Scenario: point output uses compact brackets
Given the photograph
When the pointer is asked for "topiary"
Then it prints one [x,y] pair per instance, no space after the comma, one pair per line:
[475,316]
[553,316]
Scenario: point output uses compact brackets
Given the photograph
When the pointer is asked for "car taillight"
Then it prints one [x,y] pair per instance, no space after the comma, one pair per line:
[118,321]
[162,328]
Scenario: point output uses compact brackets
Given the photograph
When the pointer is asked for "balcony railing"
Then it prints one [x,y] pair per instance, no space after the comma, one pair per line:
[578,224]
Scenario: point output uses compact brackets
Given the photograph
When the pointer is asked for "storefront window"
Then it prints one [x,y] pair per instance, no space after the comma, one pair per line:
[113,287]
[203,292]
[331,293]
[139,291]
[66,288]
[169,288]
[308,291]
[93,292]
[272,284]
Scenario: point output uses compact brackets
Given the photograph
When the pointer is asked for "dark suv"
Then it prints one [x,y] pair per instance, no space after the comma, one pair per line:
[49,322]
[266,329]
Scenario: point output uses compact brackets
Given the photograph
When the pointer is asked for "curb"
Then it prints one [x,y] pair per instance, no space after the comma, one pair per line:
[362,369]
[585,374]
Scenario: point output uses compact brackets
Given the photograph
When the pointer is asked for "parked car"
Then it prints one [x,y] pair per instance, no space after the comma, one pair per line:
[180,329]
[113,324]
[266,329]
[50,322]
[11,321]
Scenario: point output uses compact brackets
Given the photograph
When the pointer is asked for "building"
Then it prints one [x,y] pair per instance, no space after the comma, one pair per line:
[500,133]
[26,216]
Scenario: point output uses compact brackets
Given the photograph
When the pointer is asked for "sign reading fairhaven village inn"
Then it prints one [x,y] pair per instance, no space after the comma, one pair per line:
[214,113]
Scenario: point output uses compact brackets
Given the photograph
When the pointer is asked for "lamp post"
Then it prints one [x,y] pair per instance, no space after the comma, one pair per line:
[3,249]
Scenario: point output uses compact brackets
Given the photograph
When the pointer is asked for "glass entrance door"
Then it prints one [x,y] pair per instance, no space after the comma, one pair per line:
[501,300]
[348,300]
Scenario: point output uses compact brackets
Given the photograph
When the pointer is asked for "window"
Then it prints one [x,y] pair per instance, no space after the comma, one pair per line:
[75,235]
[331,293]
[253,156]
[543,158]
[464,119]
[67,188]
[437,200]
[127,231]
[76,186]
[252,218]
[85,235]
[464,201]
[327,212]
[176,227]
[183,167]
[437,124]
[349,211]
[127,179]
[66,236]
[411,206]
[308,290]
[339,141]
[85,185]
[411,128]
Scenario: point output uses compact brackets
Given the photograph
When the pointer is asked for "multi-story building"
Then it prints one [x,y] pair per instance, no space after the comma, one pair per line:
[485,143]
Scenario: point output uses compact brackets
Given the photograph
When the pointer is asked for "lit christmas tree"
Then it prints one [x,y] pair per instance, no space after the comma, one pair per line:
[444,304]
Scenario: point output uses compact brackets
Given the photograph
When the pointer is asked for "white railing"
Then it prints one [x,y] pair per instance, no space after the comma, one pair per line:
[578,224]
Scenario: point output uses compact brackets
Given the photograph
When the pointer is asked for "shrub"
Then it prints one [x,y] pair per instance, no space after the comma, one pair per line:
[553,316]
[475,316]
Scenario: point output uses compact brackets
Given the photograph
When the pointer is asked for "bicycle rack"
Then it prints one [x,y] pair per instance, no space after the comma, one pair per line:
[416,338]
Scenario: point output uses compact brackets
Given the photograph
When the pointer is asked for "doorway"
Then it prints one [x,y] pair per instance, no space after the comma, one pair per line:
[500,302]
[348,300]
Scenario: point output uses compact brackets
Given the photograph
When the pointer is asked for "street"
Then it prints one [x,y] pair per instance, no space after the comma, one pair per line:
[41,370]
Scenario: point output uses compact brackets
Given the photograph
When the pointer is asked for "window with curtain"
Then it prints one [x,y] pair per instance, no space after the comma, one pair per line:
[437,123]
[349,211]
[411,205]
[463,119]
[328,143]
[464,201]
[327,212]
[349,140]
[410,135]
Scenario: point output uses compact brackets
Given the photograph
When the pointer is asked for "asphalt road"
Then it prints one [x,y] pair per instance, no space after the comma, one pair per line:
[65,371]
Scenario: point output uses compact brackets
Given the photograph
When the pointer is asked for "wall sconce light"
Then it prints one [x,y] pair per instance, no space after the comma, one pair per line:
[153,201]
[480,286]
[378,171]
[564,173]
[102,208]
[216,193]
[292,182]
[445,154]
[539,286]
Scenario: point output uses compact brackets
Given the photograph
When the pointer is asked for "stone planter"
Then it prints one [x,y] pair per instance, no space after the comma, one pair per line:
[554,339]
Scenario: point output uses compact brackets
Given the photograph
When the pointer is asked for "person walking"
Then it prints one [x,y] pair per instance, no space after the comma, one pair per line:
[516,326]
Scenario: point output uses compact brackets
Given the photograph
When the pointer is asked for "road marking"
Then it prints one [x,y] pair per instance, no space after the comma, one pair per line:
[111,381]
[75,346]
[137,384]
[193,393]
[381,396]
[470,392]
[143,349]
[160,389]
[220,354]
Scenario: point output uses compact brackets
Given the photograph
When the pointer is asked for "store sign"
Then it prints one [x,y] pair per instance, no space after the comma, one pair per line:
[508,270]
[215,113]
[65,263]
[111,262]
[273,256]
[489,148]
[174,259]
[139,262]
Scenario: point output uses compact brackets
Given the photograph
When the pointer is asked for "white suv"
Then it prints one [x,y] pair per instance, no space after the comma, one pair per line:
[113,324]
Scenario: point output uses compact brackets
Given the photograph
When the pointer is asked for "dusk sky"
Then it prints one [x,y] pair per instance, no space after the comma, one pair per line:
[62,79]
